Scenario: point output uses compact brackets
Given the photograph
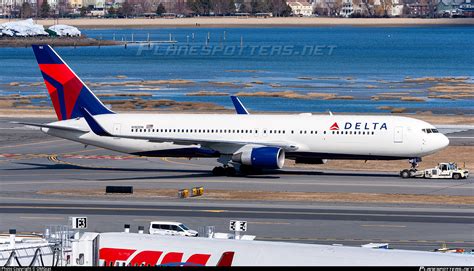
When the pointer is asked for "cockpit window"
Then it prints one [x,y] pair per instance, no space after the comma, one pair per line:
[429,130]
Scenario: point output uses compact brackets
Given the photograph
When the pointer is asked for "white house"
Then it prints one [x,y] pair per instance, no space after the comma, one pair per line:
[347,8]
[397,8]
[301,8]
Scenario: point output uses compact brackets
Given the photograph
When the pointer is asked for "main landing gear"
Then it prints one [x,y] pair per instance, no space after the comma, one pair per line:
[224,171]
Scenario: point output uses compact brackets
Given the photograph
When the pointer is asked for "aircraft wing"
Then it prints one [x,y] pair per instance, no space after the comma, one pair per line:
[52,126]
[211,143]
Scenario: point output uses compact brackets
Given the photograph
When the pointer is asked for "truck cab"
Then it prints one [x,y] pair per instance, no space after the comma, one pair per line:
[171,228]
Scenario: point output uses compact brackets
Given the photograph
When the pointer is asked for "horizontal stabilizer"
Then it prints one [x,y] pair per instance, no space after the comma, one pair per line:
[51,126]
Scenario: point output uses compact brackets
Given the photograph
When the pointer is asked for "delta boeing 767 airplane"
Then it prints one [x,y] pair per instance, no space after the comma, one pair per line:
[242,143]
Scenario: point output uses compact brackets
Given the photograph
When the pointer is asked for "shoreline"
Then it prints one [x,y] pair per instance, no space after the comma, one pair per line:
[62,42]
[436,119]
[223,22]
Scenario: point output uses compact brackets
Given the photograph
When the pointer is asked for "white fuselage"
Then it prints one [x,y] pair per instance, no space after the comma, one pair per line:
[357,136]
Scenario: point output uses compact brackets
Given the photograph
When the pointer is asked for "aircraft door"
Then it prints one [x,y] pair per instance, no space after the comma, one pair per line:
[398,134]
[117,128]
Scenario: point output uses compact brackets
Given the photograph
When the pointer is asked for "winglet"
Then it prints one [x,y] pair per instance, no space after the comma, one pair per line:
[93,124]
[239,107]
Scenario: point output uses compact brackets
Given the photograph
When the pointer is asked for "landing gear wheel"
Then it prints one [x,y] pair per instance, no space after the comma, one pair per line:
[405,174]
[218,171]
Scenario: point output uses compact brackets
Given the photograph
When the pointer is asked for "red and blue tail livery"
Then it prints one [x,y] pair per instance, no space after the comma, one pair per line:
[66,90]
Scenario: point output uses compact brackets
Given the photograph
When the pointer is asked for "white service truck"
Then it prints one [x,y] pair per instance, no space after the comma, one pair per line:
[442,171]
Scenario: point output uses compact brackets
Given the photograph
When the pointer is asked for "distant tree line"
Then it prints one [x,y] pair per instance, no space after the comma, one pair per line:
[227,7]
[278,8]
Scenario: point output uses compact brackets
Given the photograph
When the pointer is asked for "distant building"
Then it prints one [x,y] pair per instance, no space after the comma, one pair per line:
[11,8]
[449,7]
[467,8]
[418,10]
[301,8]
[397,8]
[347,8]
[75,4]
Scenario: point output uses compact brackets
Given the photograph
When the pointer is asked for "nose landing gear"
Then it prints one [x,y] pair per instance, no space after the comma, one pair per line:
[408,173]
[414,162]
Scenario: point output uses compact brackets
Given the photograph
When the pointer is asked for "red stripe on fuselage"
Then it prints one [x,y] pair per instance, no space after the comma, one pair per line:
[146,258]
[71,84]
[115,254]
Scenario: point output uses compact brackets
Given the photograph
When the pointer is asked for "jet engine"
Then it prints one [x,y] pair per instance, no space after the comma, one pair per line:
[261,157]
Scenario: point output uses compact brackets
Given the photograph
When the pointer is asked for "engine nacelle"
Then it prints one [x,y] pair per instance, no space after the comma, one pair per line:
[313,161]
[262,157]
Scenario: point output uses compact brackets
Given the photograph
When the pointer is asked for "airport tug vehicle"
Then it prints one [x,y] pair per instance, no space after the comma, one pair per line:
[441,171]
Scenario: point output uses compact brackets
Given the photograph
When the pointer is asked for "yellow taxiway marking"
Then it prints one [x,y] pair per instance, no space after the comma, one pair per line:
[166,159]
[32,155]
[385,226]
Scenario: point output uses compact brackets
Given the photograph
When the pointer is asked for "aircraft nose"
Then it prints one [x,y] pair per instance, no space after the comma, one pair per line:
[443,141]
